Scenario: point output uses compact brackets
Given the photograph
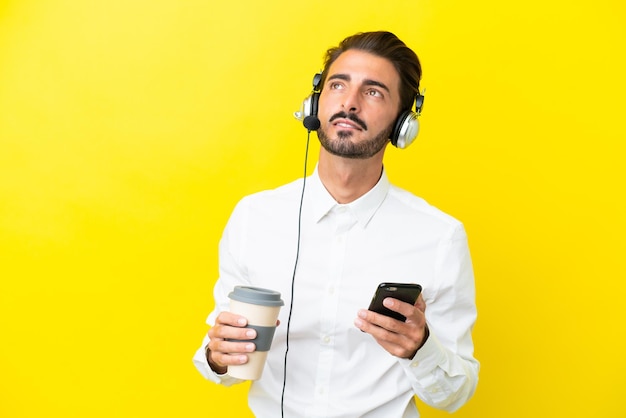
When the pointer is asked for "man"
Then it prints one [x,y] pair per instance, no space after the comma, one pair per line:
[354,231]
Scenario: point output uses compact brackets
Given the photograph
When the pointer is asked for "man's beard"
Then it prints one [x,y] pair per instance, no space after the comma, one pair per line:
[344,147]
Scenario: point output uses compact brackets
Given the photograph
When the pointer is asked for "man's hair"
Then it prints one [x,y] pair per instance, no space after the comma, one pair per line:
[385,45]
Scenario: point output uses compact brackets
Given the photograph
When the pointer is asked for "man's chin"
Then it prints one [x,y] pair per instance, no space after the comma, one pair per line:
[346,133]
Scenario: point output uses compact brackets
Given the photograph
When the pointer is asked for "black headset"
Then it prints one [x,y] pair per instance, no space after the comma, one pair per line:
[405,128]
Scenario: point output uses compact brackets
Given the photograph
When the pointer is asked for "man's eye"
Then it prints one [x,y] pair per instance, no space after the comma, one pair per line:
[374,93]
[335,86]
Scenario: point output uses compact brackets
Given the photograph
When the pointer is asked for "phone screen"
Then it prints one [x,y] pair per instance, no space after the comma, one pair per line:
[406,292]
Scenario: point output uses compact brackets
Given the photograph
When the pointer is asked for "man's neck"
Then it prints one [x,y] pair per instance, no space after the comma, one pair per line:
[348,179]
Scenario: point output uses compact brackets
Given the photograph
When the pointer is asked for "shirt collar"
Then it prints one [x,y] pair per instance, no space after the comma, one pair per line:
[363,208]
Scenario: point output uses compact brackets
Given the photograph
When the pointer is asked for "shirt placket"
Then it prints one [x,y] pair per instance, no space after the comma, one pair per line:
[344,221]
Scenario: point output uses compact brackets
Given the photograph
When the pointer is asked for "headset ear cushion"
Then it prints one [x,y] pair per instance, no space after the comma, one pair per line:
[315,97]
[309,106]
[398,127]
[405,130]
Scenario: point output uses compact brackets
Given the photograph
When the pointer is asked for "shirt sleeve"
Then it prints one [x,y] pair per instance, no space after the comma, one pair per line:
[202,364]
[444,373]
[231,274]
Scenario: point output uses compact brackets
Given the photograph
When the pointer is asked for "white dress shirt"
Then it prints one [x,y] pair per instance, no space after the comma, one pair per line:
[334,369]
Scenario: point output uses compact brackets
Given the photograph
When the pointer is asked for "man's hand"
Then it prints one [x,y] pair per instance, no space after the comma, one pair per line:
[401,339]
[222,353]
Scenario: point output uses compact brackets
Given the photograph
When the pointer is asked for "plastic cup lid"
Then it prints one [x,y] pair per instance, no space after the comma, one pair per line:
[256,296]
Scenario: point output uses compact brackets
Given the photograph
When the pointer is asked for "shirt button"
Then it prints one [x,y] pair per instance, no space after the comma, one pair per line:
[415,364]
[326,339]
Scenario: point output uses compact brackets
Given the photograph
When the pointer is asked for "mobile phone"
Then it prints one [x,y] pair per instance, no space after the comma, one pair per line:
[406,292]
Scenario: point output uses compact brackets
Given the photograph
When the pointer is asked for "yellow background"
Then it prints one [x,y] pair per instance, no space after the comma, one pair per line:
[129,129]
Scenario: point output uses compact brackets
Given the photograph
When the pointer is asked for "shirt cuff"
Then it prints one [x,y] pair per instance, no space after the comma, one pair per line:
[430,356]
[202,364]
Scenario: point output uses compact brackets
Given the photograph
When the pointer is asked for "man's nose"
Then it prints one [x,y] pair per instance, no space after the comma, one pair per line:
[351,102]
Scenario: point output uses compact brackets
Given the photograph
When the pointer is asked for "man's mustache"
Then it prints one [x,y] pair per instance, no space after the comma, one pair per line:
[350,116]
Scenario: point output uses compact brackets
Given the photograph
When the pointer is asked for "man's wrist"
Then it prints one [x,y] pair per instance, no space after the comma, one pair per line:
[426,335]
[216,368]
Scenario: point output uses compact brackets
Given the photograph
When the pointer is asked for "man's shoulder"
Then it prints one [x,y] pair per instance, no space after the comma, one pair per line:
[420,207]
[284,193]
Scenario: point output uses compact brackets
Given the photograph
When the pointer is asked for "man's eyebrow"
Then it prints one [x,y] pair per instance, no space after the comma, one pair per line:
[367,82]
[344,77]
[377,84]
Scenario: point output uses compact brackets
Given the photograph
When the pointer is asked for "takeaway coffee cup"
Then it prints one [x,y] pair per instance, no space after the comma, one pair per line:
[260,307]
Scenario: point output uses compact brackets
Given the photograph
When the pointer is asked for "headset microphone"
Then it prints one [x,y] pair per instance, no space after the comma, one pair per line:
[312,123]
